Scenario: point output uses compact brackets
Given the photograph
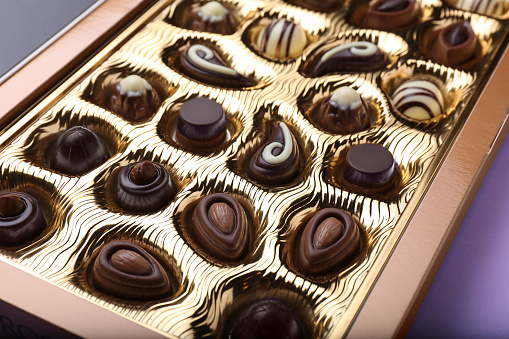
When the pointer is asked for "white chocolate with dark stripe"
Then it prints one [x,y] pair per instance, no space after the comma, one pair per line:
[282,39]
[487,7]
[419,99]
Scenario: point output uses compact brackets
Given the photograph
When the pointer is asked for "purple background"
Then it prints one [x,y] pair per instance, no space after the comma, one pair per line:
[469,297]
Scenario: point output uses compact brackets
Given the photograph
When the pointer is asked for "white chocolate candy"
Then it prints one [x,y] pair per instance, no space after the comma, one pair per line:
[357,48]
[213,12]
[287,148]
[487,7]
[282,39]
[346,98]
[204,63]
[419,99]
[133,86]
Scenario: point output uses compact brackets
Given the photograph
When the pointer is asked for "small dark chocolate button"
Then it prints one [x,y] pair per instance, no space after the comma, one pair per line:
[11,206]
[369,165]
[143,173]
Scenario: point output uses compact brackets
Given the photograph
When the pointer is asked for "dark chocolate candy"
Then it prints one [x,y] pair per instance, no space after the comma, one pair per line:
[392,15]
[21,219]
[319,5]
[212,17]
[456,44]
[267,319]
[204,64]
[343,112]
[278,160]
[369,168]
[134,99]
[143,187]
[77,151]
[201,124]
[124,270]
[328,241]
[219,226]
[357,56]
[281,39]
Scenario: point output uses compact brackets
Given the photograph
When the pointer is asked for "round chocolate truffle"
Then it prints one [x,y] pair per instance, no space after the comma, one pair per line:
[392,15]
[495,8]
[21,219]
[456,44]
[357,56]
[281,39]
[201,124]
[369,168]
[268,319]
[77,150]
[343,112]
[204,64]
[419,99]
[329,240]
[278,160]
[219,226]
[125,270]
[134,99]
[143,187]
[212,17]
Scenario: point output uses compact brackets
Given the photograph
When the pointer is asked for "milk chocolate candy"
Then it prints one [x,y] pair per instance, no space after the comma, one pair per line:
[212,17]
[456,44]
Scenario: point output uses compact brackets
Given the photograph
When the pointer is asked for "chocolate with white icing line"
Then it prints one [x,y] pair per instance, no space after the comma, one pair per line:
[487,7]
[419,99]
[213,17]
[281,39]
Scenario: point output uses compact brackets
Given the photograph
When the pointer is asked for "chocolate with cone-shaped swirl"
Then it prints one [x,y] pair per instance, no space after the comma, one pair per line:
[125,270]
[357,56]
[219,227]
[77,150]
[392,15]
[213,17]
[134,99]
[143,187]
[21,219]
[204,64]
[278,160]
[456,44]
[343,112]
[328,241]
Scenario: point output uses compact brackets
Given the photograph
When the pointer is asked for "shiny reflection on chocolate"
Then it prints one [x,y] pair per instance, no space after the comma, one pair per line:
[456,44]
[267,319]
[219,227]
[357,56]
[77,150]
[371,167]
[21,219]
[143,187]
[201,124]
[392,15]
[278,160]
[212,17]
[343,112]
[281,39]
[124,270]
[134,99]
[328,241]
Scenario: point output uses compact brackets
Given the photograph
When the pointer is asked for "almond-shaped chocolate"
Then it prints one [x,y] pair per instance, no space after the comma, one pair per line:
[281,39]
[343,112]
[219,227]
[278,160]
[143,187]
[134,99]
[354,57]
[125,270]
[392,15]
[456,44]
[495,8]
[21,219]
[212,17]
[329,240]
[204,64]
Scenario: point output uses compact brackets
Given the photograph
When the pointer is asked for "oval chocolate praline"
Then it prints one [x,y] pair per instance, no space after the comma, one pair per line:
[281,39]
[77,150]
[369,168]
[125,270]
[328,241]
[392,14]
[143,187]
[201,124]
[419,99]
[134,99]
[21,219]
[212,17]
[269,318]
[219,226]
[456,44]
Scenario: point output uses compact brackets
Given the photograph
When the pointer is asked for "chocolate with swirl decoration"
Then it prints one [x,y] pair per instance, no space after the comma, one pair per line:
[202,63]
[213,17]
[357,56]
[278,160]
[281,39]
[392,15]
[494,8]
[419,99]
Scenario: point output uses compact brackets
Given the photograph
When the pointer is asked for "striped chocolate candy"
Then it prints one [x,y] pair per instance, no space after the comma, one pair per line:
[487,7]
[281,39]
[419,99]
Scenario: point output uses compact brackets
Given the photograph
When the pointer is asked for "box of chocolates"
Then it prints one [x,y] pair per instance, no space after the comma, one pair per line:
[245,169]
